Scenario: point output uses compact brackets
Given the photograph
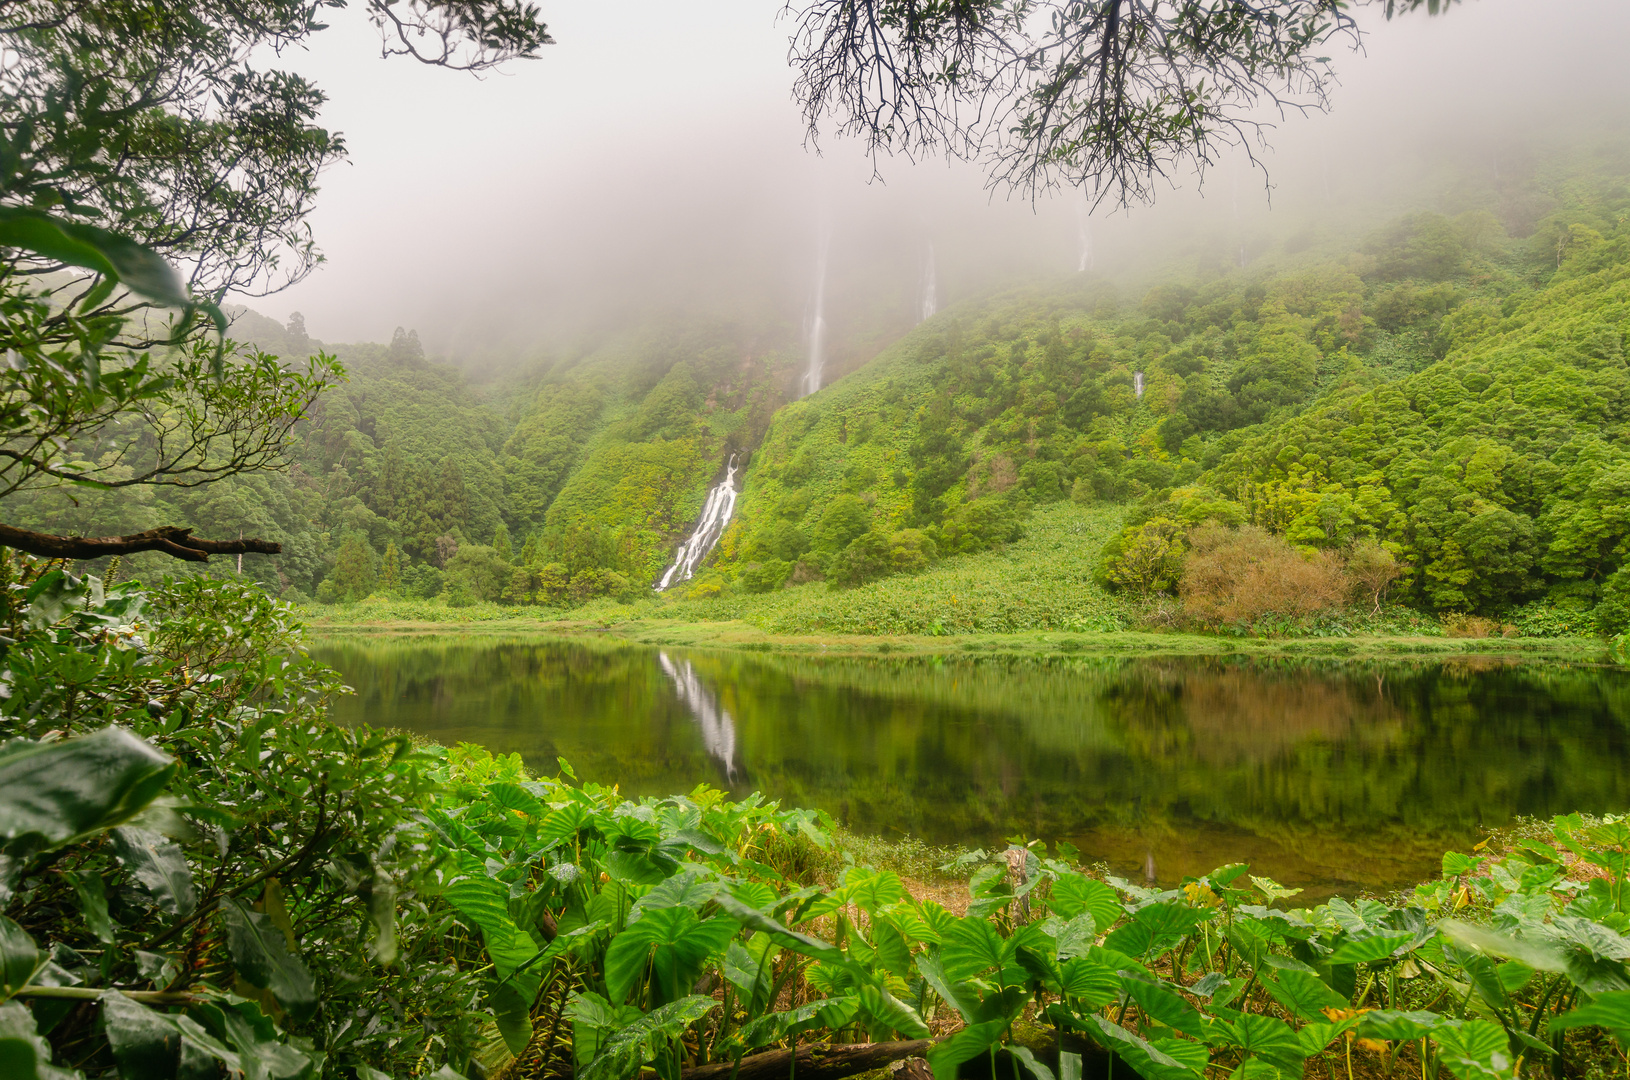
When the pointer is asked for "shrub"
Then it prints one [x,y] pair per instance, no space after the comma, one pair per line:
[845,518]
[911,550]
[1371,571]
[1239,576]
[478,570]
[1460,625]
[867,558]
[766,576]
[1145,559]
[1613,611]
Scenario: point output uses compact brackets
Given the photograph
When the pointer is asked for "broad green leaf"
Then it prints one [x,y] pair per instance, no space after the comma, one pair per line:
[1073,895]
[160,866]
[1474,1050]
[516,799]
[872,890]
[152,1045]
[1369,950]
[61,792]
[890,1013]
[1596,939]
[675,945]
[1272,889]
[485,903]
[1077,936]
[751,969]
[802,944]
[1537,955]
[1302,992]
[1090,980]
[964,999]
[1396,1026]
[1193,1054]
[965,1045]
[1610,1010]
[1163,1004]
[686,889]
[1028,1061]
[1150,1062]
[1316,1036]
[1455,864]
[24,1054]
[261,956]
[93,903]
[777,1026]
[1155,928]
[259,1045]
[54,239]
[511,1001]
[973,946]
[20,958]
[629,1048]
[1268,1038]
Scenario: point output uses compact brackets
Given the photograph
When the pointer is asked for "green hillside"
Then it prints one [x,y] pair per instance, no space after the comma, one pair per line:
[1443,389]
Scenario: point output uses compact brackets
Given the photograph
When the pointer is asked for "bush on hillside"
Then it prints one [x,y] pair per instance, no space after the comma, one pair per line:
[1236,577]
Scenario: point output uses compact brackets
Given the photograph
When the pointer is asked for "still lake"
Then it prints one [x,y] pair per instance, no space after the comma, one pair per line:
[1337,777]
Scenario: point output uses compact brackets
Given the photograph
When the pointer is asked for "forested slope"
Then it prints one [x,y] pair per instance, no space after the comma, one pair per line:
[1448,389]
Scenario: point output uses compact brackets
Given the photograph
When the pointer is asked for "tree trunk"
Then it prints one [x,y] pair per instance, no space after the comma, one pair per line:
[817,1061]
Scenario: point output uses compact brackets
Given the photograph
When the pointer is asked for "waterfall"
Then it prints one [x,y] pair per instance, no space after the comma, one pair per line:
[716,511]
[931,289]
[1137,383]
[718,728]
[815,330]
[1083,242]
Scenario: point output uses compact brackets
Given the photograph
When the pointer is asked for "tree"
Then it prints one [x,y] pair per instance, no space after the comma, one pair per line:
[353,574]
[390,571]
[1106,95]
[138,134]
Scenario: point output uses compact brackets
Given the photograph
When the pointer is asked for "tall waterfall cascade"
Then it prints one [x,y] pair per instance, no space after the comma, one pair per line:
[716,511]
[931,289]
[1083,243]
[717,726]
[1137,384]
[815,329]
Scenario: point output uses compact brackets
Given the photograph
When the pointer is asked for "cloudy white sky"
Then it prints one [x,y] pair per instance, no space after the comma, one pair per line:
[656,146]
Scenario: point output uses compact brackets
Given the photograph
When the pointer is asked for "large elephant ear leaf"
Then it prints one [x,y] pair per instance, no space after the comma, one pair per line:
[637,1044]
[262,959]
[57,793]
[1610,1010]
[20,958]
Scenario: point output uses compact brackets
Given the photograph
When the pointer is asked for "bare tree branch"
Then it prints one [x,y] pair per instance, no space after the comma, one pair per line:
[172,540]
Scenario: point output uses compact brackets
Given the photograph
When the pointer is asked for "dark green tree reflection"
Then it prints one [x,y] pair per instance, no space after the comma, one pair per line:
[1334,776]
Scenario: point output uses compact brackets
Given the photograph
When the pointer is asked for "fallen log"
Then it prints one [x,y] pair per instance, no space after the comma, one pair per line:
[817,1061]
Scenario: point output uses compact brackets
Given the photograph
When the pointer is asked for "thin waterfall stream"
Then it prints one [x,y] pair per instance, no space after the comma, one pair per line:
[930,304]
[716,511]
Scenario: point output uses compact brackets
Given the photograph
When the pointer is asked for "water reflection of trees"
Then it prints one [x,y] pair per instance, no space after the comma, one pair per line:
[1308,759]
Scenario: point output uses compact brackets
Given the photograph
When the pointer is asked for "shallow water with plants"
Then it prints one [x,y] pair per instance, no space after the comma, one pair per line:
[1335,776]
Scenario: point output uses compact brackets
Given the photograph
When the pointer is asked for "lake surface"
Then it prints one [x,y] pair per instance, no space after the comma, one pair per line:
[1336,776]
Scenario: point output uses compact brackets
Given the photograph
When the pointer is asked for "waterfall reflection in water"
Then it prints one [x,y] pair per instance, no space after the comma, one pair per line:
[1324,775]
[718,729]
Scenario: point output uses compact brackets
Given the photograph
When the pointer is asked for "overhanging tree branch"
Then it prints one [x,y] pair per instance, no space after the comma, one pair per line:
[172,540]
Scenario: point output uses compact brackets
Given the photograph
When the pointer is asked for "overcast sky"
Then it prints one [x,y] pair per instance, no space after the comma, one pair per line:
[655,148]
